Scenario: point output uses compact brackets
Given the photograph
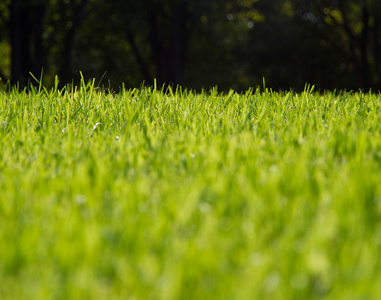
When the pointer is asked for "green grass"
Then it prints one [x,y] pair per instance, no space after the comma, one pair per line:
[145,194]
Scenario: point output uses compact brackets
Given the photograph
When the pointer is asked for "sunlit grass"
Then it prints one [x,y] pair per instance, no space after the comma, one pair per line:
[152,194]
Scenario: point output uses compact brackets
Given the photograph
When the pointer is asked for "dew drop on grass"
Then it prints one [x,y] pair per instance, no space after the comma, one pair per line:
[95,128]
[96,125]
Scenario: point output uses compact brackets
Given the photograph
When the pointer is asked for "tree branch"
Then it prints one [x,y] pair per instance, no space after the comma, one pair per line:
[331,42]
[69,40]
[131,39]
[352,38]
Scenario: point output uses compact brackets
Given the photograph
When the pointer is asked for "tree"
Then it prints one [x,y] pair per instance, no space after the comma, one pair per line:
[25,35]
[195,43]
[352,30]
[75,13]
[34,29]
[164,27]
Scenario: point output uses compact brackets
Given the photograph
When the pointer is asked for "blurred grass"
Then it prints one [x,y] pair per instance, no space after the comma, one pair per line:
[146,194]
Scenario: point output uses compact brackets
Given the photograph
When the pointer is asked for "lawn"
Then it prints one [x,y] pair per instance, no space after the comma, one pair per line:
[172,194]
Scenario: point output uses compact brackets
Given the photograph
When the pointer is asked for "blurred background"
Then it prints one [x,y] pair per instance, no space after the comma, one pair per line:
[332,44]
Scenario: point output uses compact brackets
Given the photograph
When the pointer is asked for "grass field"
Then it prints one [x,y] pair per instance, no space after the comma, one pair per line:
[145,194]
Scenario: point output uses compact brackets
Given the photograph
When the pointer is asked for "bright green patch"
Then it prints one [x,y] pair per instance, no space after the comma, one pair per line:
[150,195]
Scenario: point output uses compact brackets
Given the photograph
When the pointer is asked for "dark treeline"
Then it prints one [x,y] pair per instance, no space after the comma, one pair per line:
[333,44]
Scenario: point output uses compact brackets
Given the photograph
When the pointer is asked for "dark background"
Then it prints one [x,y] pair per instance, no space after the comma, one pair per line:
[332,44]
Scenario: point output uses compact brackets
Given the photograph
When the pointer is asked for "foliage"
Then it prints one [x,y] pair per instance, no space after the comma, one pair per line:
[350,28]
[173,194]
[200,43]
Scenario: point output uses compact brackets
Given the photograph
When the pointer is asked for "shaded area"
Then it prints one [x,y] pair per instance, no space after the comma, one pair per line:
[199,43]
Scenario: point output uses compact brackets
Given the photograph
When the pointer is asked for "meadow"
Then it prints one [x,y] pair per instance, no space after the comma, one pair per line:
[171,194]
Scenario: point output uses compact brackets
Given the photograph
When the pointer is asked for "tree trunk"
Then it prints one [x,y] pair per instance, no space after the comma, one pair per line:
[135,51]
[15,38]
[363,46]
[169,54]
[65,69]
[377,49]
[39,59]
[25,29]
[177,43]
[159,54]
